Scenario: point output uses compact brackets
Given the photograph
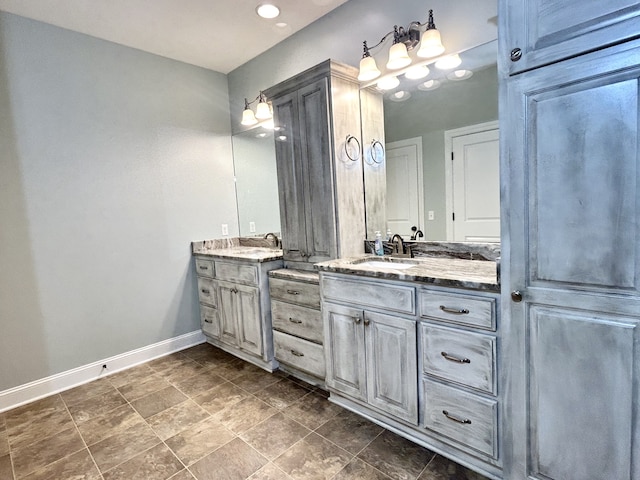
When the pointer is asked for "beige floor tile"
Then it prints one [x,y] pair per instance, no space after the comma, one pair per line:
[312,410]
[234,369]
[6,472]
[313,458]
[199,383]
[4,443]
[79,465]
[136,374]
[270,472]
[397,457]
[245,414]
[441,468]
[167,362]
[157,463]
[254,381]
[199,350]
[220,397]
[159,401]
[88,390]
[177,418]
[95,406]
[38,426]
[122,446]
[350,431]
[138,389]
[234,461]
[275,435]
[38,409]
[188,368]
[47,450]
[3,424]
[356,469]
[282,393]
[109,424]
[200,440]
[183,475]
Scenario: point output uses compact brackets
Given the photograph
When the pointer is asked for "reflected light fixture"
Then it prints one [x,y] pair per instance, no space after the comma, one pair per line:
[388,83]
[267,10]
[429,85]
[263,111]
[449,62]
[400,96]
[404,40]
[459,75]
[415,73]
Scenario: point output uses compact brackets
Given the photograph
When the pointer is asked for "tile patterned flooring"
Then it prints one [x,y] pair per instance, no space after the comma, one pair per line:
[204,414]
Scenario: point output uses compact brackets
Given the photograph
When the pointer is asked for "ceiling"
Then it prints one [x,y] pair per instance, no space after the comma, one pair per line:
[216,34]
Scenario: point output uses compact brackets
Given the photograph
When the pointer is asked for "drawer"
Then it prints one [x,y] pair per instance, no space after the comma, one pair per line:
[300,293]
[470,310]
[204,267]
[396,298]
[237,272]
[299,353]
[461,416]
[303,322]
[462,357]
[207,291]
[209,321]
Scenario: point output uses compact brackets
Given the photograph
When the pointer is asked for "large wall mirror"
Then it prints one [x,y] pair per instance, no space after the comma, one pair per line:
[423,125]
[254,162]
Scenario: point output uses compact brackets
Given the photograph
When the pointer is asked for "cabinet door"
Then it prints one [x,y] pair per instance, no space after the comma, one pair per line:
[344,350]
[249,320]
[228,314]
[571,246]
[317,172]
[548,31]
[392,375]
[290,190]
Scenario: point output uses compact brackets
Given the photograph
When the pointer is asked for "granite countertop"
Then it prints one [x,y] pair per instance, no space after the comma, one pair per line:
[237,249]
[297,275]
[446,272]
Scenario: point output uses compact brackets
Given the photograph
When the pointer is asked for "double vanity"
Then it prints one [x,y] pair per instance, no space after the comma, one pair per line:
[409,343]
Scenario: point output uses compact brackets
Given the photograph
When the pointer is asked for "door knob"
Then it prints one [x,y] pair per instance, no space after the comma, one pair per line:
[516,296]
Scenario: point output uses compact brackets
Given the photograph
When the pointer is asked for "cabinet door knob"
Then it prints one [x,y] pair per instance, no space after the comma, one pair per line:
[357,320]
[366,322]
[516,54]
[516,296]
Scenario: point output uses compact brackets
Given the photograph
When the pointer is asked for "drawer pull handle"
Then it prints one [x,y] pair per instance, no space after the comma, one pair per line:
[203,267]
[205,291]
[207,321]
[464,421]
[297,354]
[295,320]
[293,292]
[234,290]
[453,358]
[456,311]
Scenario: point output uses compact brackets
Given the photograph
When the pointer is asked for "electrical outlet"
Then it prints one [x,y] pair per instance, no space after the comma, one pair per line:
[225,229]
[431,215]
[252,227]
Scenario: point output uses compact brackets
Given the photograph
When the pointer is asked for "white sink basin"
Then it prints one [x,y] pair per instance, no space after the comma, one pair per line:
[386,265]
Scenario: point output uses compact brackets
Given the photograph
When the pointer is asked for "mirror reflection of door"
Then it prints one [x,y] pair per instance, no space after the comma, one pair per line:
[405,198]
[473,183]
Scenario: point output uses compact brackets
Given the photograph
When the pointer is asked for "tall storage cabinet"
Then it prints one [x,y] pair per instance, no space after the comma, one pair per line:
[319,160]
[571,239]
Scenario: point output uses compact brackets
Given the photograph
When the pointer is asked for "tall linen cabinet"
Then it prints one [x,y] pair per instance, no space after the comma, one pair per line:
[569,116]
[319,161]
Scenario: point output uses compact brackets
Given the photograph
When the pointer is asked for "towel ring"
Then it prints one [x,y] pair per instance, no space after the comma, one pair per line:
[346,148]
[376,144]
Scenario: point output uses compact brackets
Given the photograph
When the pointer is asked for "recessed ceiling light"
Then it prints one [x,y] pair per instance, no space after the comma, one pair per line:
[267,10]
[400,96]
[429,85]
[459,75]
[281,24]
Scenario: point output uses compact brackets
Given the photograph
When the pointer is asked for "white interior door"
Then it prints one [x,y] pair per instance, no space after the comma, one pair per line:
[475,185]
[405,199]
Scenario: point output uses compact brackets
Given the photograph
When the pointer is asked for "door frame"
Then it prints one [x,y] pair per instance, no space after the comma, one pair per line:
[449,135]
[417,142]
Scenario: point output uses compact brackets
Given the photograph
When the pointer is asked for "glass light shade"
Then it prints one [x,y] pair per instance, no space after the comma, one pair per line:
[387,83]
[368,69]
[414,73]
[398,56]
[449,62]
[263,112]
[431,44]
[248,118]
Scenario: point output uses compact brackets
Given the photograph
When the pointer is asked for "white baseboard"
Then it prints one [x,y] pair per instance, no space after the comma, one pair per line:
[14,397]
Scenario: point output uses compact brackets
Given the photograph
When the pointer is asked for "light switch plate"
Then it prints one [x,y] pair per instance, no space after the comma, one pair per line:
[431,215]
[252,227]
[225,229]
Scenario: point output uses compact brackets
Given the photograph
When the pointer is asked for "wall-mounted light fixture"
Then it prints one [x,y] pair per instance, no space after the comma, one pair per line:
[404,40]
[263,111]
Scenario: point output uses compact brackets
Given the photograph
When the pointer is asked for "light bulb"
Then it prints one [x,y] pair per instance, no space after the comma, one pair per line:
[248,118]
[431,44]
[263,112]
[267,10]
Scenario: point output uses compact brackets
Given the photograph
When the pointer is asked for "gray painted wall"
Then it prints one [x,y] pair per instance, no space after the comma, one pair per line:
[453,105]
[111,162]
[340,33]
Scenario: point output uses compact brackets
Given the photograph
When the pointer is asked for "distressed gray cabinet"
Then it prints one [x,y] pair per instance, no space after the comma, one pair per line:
[319,162]
[235,306]
[571,255]
[371,356]
[541,32]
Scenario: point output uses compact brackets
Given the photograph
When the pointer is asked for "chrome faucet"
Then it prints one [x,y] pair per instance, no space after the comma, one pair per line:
[273,237]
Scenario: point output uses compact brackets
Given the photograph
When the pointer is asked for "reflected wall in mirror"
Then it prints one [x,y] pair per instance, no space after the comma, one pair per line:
[254,163]
[416,118]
